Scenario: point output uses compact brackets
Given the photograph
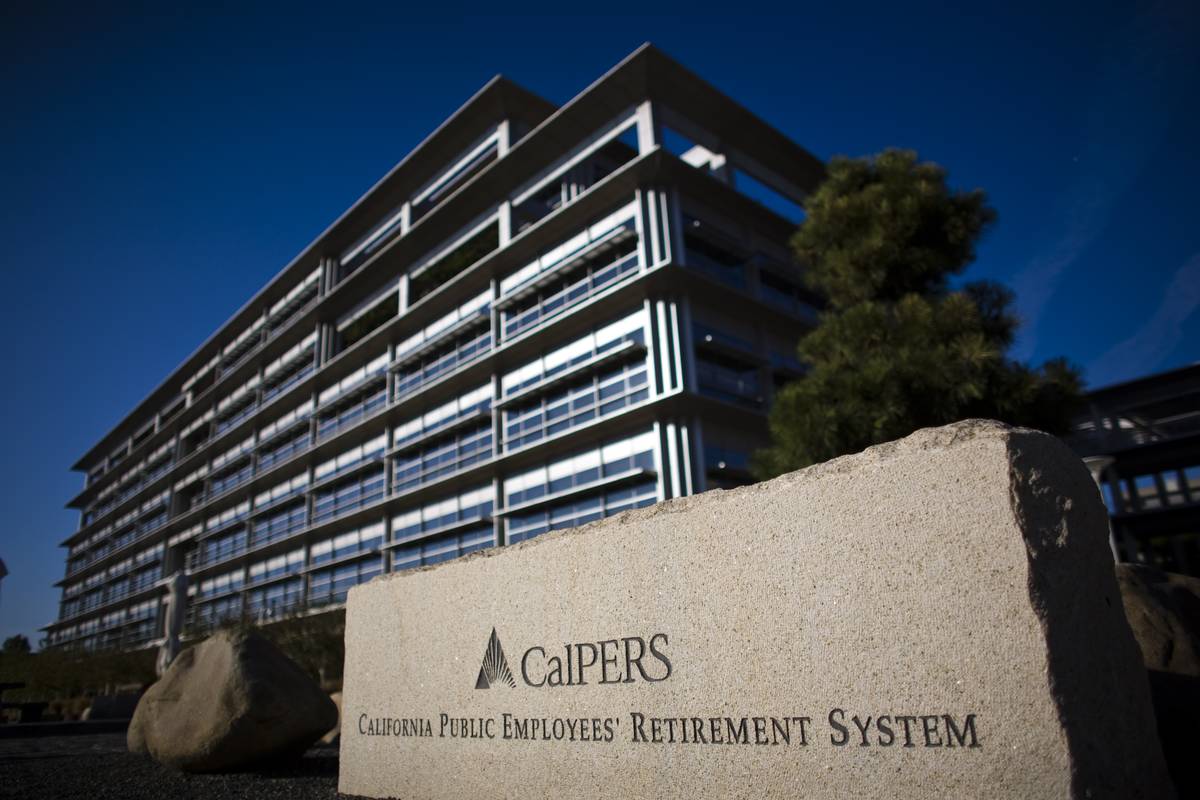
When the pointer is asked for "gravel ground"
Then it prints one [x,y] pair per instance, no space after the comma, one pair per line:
[98,767]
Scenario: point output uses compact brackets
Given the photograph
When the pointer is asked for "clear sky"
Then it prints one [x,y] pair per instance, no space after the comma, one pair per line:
[160,165]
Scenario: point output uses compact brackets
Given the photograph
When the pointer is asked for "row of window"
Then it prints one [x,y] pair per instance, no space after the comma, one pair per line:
[580,402]
[587,486]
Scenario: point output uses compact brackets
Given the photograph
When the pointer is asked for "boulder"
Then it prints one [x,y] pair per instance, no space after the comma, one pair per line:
[934,617]
[231,701]
[1164,613]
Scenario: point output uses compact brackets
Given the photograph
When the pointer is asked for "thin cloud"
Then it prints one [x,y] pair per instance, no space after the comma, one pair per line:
[1036,284]
[1158,336]
[1129,112]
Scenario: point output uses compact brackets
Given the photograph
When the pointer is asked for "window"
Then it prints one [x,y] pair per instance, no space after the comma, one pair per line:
[238,405]
[239,348]
[210,615]
[353,398]
[286,423]
[357,381]
[1148,494]
[194,436]
[468,406]
[470,315]
[570,177]
[726,467]
[287,307]
[275,600]
[360,541]
[228,517]
[220,548]
[729,379]
[278,524]
[469,509]
[443,548]
[352,458]
[576,403]
[290,368]
[627,331]
[714,252]
[232,476]
[280,451]
[616,460]
[281,492]
[328,586]
[172,408]
[347,495]
[278,566]
[444,456]
[349,412]
[580,511]
[221,584]
[457,353]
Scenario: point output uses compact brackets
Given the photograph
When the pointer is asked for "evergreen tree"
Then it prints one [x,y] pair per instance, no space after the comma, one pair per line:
[16,645]
[896,349]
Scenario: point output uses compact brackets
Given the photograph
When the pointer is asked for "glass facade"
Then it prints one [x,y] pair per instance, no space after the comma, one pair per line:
[582,488]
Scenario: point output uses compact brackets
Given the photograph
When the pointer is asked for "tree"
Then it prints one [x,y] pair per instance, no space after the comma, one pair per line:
[896,348]
[16,645]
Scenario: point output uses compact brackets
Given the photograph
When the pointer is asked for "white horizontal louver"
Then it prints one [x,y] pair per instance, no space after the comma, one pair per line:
[302,288]
[465,311]
[254,328]
[353,379]
[303,349]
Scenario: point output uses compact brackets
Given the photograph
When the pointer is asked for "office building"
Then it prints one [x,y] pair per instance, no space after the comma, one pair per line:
[1141,439]
[540,317]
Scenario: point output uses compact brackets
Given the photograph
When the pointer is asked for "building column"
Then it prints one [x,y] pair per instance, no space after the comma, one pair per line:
[649,132]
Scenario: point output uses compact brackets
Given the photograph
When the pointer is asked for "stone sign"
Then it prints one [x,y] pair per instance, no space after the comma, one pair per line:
[937,616]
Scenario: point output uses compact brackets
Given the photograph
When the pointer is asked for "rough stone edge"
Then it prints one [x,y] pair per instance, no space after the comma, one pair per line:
[1055,518]
[944,437]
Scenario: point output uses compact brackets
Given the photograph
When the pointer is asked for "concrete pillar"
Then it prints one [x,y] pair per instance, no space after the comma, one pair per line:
[645,231]
[405,217]
[402,293]
[504,222]
[649,132]
[503,138]
[661,464]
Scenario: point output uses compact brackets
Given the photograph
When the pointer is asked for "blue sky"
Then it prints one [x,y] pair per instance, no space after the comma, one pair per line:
[159,165]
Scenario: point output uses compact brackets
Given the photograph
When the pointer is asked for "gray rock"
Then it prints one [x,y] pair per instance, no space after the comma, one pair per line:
[232,701]
[1164,613]
[960,577]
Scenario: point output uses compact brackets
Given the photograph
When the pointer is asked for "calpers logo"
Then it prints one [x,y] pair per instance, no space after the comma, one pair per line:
[608,661]
[495,666]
